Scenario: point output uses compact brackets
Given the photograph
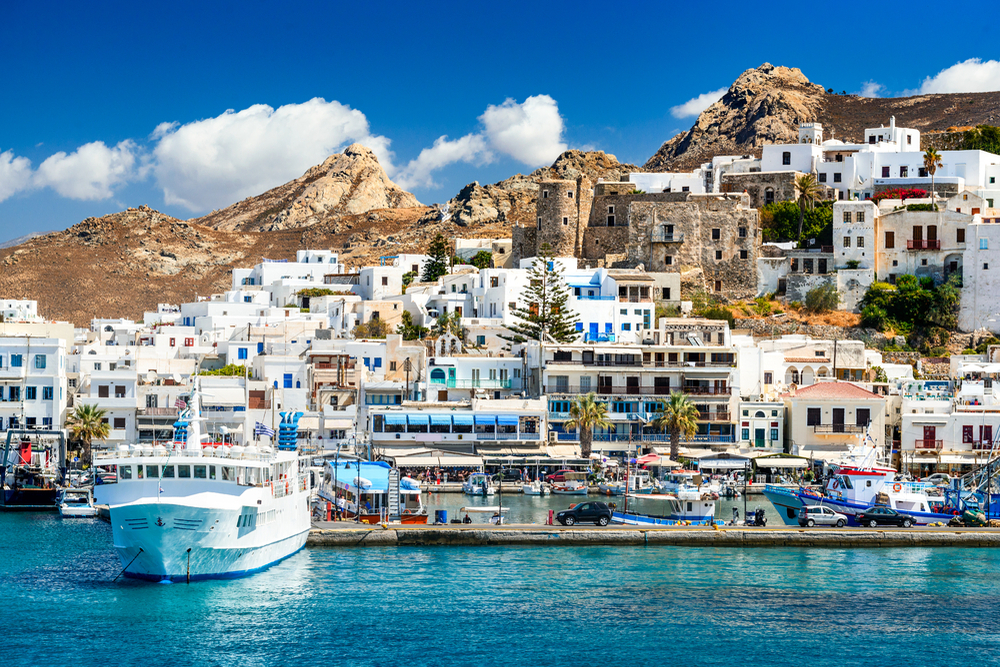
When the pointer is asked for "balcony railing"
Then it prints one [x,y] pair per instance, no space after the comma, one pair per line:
[924,245]
[927,444]
[473,383]
[702,390]
[713,416]
[599,297]
[608,390]
[157,412]
[649,437]
[638,363]
[598,337]
[838,428]
[663,237]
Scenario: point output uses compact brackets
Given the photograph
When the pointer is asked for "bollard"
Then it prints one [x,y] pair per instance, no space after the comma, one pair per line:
[329,511]
[551,513]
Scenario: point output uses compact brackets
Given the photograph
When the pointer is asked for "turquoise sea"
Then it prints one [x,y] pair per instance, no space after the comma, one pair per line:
[501,606]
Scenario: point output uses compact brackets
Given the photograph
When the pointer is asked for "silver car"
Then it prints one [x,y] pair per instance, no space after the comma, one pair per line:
[812,515]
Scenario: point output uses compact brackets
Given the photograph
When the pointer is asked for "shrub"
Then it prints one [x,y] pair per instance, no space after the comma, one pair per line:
[873,317]
[900,193]
[853,264]
[920,207]
[718,313]
[315,291]
[795,305]
[822,299]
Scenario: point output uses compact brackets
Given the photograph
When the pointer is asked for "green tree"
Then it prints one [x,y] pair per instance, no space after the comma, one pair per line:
[780,220]
[86,424]
[374,328]
[450,323]
[981,138]
[437,265]
[229,370]
[482,259]
[822,299]
[587,413]
[408,278]
[932,160]
[543,309]
[677,416]
[410,331]
[809,192]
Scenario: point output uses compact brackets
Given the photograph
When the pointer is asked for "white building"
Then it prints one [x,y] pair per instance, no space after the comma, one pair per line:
[33,392]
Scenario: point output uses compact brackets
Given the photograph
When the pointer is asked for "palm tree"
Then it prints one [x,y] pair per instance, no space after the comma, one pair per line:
[809,191]
[678,415]
[932,160]
[85,424]
[587,414]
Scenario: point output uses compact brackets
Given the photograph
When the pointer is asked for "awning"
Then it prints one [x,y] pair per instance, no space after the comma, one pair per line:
[394,418]
[507,420]
[486,420]
[440,420]
[507,452]
[442,459]
[955,459]
[781,462]
[418,420]
[462,420]
[338,423]
[724,464]
[564,451]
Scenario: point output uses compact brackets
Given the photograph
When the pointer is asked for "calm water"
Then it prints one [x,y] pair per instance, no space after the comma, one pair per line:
[516,606]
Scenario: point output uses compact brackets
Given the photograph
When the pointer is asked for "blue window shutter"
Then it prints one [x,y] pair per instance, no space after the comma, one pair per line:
[579,326]
[260,348]
[378,362]
[288,381]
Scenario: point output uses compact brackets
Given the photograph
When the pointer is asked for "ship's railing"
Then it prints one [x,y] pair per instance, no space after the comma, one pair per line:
[226,453]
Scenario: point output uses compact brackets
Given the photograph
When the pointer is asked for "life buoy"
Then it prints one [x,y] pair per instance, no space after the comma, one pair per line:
[897,487]
[286,488]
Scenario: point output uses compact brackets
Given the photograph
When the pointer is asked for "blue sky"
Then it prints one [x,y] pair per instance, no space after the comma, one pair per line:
[109,105]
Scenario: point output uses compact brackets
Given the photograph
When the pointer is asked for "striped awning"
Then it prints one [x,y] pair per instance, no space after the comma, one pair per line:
[462,420]
[418,419]
[507,420]
[395,419]
[486,420]
[441,420]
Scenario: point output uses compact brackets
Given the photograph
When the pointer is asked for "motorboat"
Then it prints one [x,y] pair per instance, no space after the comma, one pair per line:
[77,503]
[684,504]
[375,487]
[32,469]
[478,484]
[495,511]
[573,484]
[536,488]
[638,482]
[678,480]
[199,510]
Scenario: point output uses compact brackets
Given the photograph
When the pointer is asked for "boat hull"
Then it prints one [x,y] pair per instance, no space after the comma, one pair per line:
[787,503]
[570,492]
[630,519]
[181,542]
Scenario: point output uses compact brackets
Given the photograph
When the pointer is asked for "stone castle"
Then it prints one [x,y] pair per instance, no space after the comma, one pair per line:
[711,240]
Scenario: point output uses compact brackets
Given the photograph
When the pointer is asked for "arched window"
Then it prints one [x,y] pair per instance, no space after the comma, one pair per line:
[437,375]
[759,415]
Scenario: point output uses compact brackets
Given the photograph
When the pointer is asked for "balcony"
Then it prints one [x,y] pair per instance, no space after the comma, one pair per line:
[927,444]
[598,338]
[837,428]
[608,390]
[713,416]
[934,244]
[660,236]
[472,384]
[599,297]
[157,412]
[702,390]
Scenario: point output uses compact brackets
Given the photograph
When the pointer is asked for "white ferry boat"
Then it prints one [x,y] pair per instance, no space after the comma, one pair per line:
[200,510]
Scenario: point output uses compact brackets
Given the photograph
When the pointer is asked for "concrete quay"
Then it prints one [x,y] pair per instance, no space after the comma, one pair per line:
[346,534]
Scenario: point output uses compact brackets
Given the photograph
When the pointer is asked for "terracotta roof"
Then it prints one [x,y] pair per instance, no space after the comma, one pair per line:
[832,390]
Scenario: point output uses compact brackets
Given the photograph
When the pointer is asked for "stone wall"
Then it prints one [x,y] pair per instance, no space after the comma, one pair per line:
[755,184]
[524,242]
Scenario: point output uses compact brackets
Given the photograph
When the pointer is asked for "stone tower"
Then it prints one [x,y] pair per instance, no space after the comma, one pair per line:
[563,210]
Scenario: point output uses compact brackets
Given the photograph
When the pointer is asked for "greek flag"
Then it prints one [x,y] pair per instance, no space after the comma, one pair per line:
[263,429]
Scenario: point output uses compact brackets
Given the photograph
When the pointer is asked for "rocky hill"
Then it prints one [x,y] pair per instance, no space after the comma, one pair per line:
[765,105]
[347,183]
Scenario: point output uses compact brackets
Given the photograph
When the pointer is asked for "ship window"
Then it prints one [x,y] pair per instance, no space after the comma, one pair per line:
[168,471]
[152,471]
[126,472]
[184,471]
[227,474]
[199,472]
[138,470]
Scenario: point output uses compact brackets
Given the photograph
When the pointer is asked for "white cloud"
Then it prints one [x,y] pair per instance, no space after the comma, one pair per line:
[530,133]
[696,105]
[214,162]
[15,174]
[972,76]
[871,89]
[91,172]
[471,148]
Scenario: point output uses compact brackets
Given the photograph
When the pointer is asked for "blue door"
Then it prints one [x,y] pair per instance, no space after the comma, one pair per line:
[593,330]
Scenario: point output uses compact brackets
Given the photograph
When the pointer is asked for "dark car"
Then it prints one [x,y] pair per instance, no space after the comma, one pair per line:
[510,475]
[884,516]
[559,475]
[597,513]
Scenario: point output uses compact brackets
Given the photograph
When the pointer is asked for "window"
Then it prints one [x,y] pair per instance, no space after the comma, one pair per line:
[545,195]
[890,239]
[862,417]
[814,416]
[119,391]
[885,172]
[847,241]
[960,235]
[892,278]
[46,393]
[718,254]
[861,216]
[668,260]
[984,244]
[626,326]
[103,391]
[565,221]
[745,434]
[119,422]
[15,361]
[611,221]
[902,172]
[480,340]
[922,172]
[743,254]
[125,472]
[786,157]
[768,196]
[39,361]
[241,353]
[871,139]
[774,434]
[569,194]
[847,216]
[611,210]
[287,380]
[967,434]
[742,232]
[768,378]
[247,299]
[385,280]
[861,242]
[189,342]
[173,342]
[718,285]
[822,178]
[923,262]
[836,177]
[539,222]
[909,139]
[14,394]
[986,266]
[199,472]
[30,393]
[716,234]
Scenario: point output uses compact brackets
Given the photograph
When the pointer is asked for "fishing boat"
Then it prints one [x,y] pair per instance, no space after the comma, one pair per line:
[683,505]
[478,484]
[638,482]
[375,487]
[202,510]
[32,469]
[678,480]
[77,503]
[573,484]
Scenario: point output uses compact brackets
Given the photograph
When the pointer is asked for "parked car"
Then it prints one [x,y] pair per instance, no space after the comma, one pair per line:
[879,516]
[559,475]
[812,515]
[595,512]
[938,479]
[509,475]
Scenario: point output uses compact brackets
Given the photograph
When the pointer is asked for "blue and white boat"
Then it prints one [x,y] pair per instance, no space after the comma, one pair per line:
[478,484]
[685,505]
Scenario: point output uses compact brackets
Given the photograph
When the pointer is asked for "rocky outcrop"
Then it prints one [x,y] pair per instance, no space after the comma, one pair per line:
[348,183]
[766,104]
